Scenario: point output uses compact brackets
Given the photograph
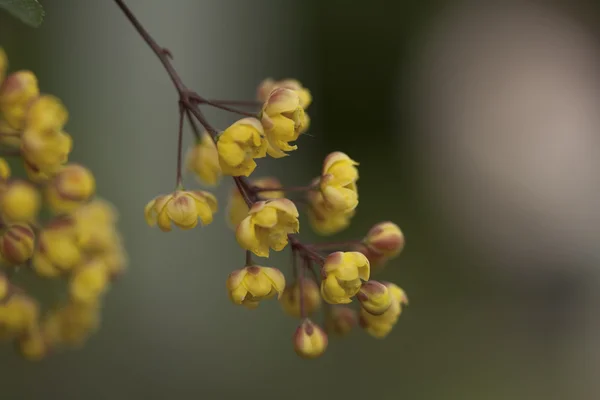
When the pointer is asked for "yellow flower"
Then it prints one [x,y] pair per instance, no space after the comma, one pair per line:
[72,186]
[342,274]
[267,225]
[379,326]
[251,284]
[46,115]
[284,120]
[338,182]
[89,282]
[239,145]
[203,160]
[18,314]
[385,239]
[290,299]
[310,341]
[17,243]
[375,297]
[183,208]
[237,208]
[3,64]
[16,94]
[323,220]
[95,226]
[4,169]
[268,85]
[57,250]
[20,202]
[71,323]
[340,320]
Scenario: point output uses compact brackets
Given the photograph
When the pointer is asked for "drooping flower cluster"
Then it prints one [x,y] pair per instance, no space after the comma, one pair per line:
[52,225]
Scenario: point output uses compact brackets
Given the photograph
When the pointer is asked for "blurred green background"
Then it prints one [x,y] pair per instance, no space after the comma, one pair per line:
[474,329]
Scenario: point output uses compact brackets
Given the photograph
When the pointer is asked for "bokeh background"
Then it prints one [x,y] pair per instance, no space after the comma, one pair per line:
[476,126]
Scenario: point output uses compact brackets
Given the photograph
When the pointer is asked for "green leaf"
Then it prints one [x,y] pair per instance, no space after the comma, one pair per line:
[30,12]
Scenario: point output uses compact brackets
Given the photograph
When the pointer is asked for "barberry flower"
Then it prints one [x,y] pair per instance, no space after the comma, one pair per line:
[20,202]
[239,145]
[374,297]
[203,160]
[251,284]
[340,320]
[4,170]
[267,226]
[284,120]
[310,340]
[18,314]
[72,186]
[16,94]
[47,114]
[183,208]
[268,85]
[338,182]
[379,326]
[290,299]
[323,220]
[237,208]
[57,249]
[342,275]
[386,239]
[89,282]
[95,226]
[17,244]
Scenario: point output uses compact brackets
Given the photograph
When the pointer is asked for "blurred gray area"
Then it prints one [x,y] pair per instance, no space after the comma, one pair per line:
[482,149]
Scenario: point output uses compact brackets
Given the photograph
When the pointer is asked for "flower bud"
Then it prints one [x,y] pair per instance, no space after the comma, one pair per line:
[17,244]
[89,282]
[374,297]
[16,95]
[310,341]
[57,249]
[342,275]
[70,188]
[47,115]
[20,202]
[251,284]
[290,299]
[386,239]
[341,320]
[203,160]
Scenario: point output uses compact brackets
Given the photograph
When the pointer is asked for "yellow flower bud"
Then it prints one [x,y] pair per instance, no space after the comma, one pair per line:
[283,119]
[183,208]
[237,208]
[386,239]
[251,284]
[268,85]
[323,220]
[203,160]
[4,169]
[35,175]
[290,299]
[57,249]
[17,243]
[89,282]
[33,346]
[9,136]
[267,226]
[18,314]
[338,182]
[3,64]
[45,152]
[342,274]
[16,94]
[375,297]
[310,341]
[379,326]
[20,202]
[340,320]
[46,115]
[71,324]
[72,186]
[95,226]
[239,145]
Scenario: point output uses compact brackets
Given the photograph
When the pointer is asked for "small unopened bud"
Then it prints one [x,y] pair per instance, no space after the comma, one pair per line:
[341,320]
[16,94]
[290,299]
[71,187]
[310,341]
[374,297]
[386,239]
[17,244]
[20,202]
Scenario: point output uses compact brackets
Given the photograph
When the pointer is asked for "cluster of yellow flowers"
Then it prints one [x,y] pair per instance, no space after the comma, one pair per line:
[265,220]
[51,223]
